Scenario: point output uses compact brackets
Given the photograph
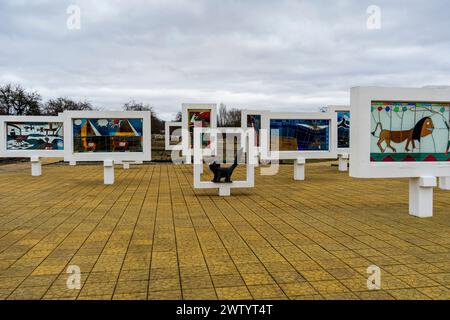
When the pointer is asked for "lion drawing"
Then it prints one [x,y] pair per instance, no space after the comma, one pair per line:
[422,129]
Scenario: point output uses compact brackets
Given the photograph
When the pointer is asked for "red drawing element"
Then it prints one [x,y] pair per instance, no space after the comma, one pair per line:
[409,158]
[380,108]
[388,159]
[430,158]
[372,159]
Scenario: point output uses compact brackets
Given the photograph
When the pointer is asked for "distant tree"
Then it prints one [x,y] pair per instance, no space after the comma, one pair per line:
[15,100]
[231,118]
[55,106]
[156,123]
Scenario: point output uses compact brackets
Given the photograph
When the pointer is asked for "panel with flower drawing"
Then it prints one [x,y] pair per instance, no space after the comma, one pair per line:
[409,131]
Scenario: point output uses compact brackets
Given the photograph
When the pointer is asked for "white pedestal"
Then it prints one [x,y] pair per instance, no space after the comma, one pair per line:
[72,163]
[444,183]
[126,165]
[139,162]
[108,172]
[224,191]
[343,162]
[299,169]
[188,160]
[421,196]
[36,166]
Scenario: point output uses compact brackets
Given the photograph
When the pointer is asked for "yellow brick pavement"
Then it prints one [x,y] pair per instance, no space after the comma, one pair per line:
[152,236]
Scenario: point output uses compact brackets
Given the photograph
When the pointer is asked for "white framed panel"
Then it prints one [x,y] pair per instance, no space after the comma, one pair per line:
[167,126]
[364,139]
[335,110]
[328,153]
[32,136]
[144,116]
[186,142]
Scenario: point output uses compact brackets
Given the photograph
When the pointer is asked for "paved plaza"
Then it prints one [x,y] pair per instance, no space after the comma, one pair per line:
[152,236]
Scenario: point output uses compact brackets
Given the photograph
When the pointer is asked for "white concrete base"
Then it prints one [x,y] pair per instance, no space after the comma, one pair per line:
[421,196]
[299,169]
[126,165]
[188,160]
[72,163]
[343,162]
[224,191]
[36,166]
[444,183]
[108,172]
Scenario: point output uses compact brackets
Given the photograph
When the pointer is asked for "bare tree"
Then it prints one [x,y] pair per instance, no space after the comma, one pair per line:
[15,100]
[156,123]
[231,118]
[55,106]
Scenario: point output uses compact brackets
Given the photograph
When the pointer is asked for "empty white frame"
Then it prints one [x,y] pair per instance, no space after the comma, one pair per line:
[328,120]
[167,135]
[362,138]
[247,138]
[94,120]
[32,136]
[192,109]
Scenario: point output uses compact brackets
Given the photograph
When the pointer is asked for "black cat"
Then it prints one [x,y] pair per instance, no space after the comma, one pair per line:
[220,173]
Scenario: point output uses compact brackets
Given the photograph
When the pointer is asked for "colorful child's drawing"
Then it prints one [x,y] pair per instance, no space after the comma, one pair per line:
[254,121]
[343,124]
[198,118]
[410,131]
[107,135]
[34,136]
[301,134]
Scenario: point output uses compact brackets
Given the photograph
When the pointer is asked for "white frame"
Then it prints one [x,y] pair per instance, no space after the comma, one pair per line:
[4,153]
[248,138]
[69,155]
[167,126]
[245,113]
[186,150]
[334,109]
[266,154]
[360,135]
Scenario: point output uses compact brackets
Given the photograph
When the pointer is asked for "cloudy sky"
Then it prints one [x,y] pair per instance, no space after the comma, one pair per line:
[278,55]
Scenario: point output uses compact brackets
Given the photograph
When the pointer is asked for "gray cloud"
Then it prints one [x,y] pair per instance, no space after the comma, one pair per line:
[278,55]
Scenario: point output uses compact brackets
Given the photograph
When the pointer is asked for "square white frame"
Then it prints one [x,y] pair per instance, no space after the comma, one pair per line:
[360,165]
[186,149]
[266,154]
[5,153]
[167,126]
[248,139]
[69,155]
[334,109]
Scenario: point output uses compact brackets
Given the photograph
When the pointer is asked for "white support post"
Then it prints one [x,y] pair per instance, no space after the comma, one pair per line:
[421,196]
[224,191]
[444,183]
[36,166]
[343,162]
[72,163]
[299,169]
[126,165]
[108,171]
